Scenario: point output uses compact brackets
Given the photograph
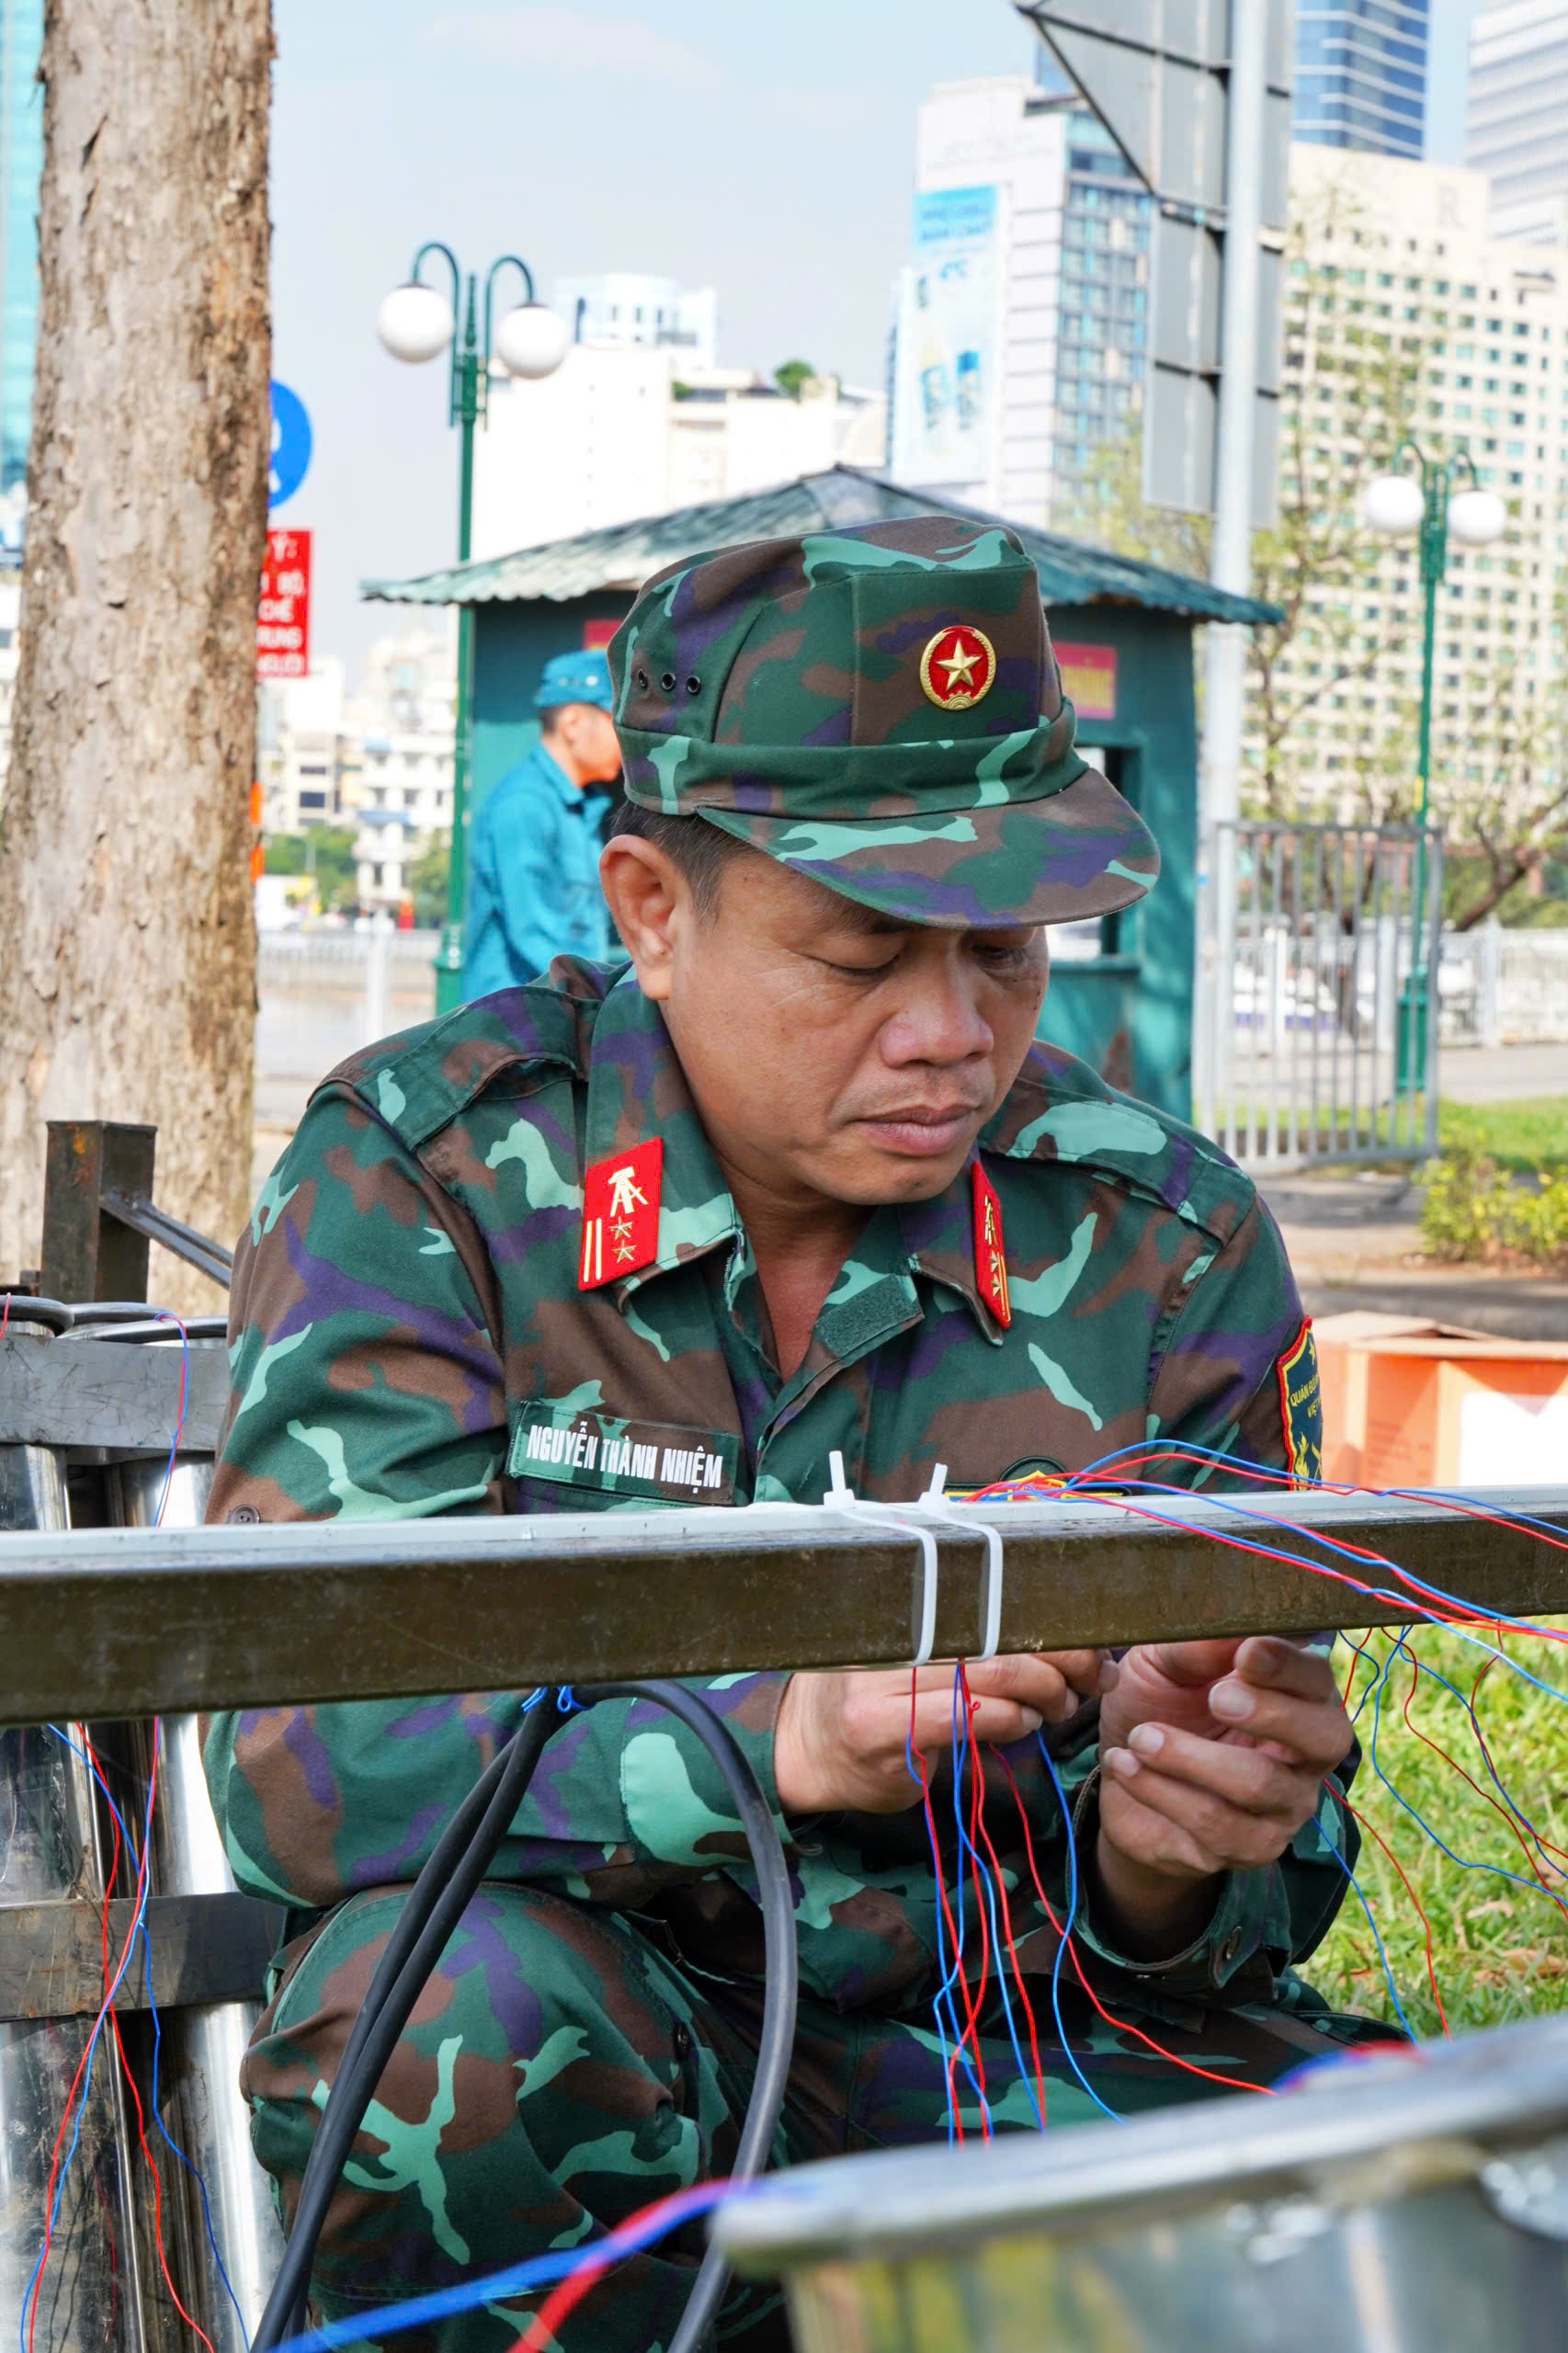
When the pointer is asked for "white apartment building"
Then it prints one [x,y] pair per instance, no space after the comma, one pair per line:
[307,753]
[623,431]
[403,717]
[380,760]
[622,306]
[1516,116]
[1397,256]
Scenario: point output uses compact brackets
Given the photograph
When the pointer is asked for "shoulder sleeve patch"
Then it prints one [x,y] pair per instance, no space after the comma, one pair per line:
[1301,1405]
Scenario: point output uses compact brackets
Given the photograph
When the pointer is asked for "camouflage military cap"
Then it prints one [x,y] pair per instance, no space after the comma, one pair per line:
[879,708]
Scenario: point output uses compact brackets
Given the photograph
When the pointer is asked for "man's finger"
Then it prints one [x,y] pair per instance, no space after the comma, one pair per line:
[1251,1779]
[1193,1663]
[1316,1731]
[999,1721]
[1275,1665]
[1225,1834]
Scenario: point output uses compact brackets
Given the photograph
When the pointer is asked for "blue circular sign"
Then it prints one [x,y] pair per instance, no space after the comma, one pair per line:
[290,444]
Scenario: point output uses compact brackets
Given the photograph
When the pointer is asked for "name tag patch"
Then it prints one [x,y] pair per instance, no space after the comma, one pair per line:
[657,1461]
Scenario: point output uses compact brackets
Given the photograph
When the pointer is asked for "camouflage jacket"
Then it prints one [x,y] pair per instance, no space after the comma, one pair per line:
[408,1332]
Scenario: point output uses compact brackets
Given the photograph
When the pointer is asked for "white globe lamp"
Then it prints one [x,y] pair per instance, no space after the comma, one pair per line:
[1394,504]
[530,341]
[1476,517]
[414,322]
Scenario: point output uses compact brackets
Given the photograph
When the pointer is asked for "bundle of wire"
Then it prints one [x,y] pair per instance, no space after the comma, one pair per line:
[80,2091]
[975,1941]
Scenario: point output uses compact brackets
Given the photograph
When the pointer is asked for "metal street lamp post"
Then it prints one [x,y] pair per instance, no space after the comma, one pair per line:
[1425,501]
[416,323]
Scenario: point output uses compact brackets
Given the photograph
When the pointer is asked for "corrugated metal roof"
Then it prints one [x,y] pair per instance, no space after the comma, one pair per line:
[623,555]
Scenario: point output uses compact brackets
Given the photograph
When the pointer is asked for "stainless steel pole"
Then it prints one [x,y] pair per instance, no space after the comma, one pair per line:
[89,2291]
[203,2045]
[1230,567]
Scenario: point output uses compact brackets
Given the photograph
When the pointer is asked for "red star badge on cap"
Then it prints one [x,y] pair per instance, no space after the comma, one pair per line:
[958,667]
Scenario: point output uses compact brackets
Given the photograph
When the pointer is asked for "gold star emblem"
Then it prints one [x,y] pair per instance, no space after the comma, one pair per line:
[958,669]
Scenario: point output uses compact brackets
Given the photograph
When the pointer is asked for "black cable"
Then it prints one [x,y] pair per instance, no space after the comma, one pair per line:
[435,1905]
[777,2039]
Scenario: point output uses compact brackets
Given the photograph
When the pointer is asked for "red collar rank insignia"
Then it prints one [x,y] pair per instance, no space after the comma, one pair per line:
[620,1214]
[990,1249]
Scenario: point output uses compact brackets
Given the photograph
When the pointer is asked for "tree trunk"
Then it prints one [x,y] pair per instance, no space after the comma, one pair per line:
[126,936]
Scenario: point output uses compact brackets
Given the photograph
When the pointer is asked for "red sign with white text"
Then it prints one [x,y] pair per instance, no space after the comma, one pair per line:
[1088,679]
[283,616]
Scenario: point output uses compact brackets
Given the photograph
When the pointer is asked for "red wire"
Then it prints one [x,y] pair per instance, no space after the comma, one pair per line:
[951,1926]
[110,1988]
[1495,1803]
[568,2293]
[1420,1908]
[976,1881]
[1019,1979]
[129,2080]
[1189,2067]
[5,1315]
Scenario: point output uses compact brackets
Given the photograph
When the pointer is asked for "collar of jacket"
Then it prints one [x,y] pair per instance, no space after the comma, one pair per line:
[636,1089]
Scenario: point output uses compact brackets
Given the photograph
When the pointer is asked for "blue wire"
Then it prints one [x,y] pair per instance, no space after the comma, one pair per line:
[961,1737]
[944,2043]
[1498,1870]
[37,2272]
[144,1934]
[1067,2052]
[1393,1990]
[164,1316]
[520,2278]
[988,1889]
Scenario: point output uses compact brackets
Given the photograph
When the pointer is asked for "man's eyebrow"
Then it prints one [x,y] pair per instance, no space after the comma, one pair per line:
[850,915]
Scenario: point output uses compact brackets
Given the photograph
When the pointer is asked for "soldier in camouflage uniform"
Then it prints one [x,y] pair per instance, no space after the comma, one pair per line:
[799,1180]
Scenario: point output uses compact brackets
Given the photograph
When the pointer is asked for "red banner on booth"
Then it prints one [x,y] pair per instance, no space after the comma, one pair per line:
[283,616]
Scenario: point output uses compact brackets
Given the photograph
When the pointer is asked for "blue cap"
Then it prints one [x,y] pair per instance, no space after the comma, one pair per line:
[575,678]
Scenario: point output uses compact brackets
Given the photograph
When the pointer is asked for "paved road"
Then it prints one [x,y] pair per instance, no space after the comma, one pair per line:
[1502,1074]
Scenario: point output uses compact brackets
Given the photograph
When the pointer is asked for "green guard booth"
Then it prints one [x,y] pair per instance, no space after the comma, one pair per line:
[1121,994]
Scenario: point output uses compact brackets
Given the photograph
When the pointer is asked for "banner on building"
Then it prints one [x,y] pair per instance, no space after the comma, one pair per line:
[945,382]
[283,616]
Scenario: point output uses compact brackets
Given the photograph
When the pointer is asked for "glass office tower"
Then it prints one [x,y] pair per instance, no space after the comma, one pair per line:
[22,165]
[1361,75]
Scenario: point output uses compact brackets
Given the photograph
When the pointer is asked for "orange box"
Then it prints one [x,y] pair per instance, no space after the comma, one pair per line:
[1409,1403]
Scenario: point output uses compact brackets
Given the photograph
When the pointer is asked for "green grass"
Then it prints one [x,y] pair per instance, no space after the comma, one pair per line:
[1527,1138]
[1500,1950]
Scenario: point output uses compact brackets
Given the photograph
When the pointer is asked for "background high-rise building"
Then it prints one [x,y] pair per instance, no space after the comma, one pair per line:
[1516,116]
[21,166]
[1362,75]
[1022,316]
[1402,314]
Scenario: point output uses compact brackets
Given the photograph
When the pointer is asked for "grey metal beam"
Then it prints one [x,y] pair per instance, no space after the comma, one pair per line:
[129,1622]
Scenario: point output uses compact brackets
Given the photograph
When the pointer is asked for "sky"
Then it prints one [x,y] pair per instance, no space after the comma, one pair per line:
[764,149]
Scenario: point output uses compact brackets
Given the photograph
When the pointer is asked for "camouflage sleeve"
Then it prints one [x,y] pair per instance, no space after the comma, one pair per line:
[1231,1356]
[1234,1370]
[368,1384]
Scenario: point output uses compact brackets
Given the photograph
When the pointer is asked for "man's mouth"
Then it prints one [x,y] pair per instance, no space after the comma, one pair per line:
[923,1131]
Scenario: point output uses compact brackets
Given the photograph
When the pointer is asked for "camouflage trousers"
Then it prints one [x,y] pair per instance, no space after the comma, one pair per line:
[562,2068]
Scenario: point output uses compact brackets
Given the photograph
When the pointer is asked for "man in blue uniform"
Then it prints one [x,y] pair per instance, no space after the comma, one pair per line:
[534,880]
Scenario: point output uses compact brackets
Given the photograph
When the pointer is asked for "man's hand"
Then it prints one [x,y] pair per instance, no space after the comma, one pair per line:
[1213,1757]
[840,1744]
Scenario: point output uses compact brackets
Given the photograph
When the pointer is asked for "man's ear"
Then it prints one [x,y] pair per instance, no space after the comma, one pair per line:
[649,900]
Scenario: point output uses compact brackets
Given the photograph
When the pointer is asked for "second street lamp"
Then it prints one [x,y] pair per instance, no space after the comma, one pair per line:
[416,323]
[1419,495]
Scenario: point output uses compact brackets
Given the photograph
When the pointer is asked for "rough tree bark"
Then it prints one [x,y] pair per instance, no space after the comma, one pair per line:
[127,938]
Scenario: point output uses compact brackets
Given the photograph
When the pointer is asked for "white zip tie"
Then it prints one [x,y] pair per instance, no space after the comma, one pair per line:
[842,1500]
[934,1503]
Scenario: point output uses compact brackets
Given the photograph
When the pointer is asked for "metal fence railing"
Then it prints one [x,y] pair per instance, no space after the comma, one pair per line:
[1498,987]
[1318,994]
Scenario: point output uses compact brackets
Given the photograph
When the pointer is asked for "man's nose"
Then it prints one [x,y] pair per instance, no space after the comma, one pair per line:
[939,1022]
